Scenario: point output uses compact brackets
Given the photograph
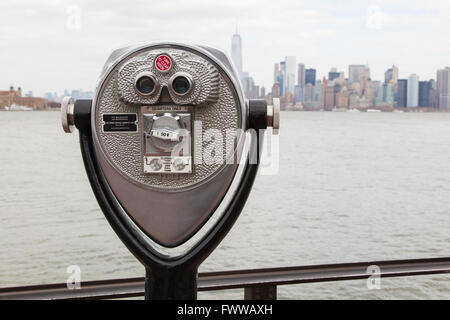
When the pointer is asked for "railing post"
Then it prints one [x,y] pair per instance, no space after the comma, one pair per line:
[267,292]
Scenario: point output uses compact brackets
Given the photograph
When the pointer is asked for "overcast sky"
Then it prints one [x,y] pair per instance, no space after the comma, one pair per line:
[50,45]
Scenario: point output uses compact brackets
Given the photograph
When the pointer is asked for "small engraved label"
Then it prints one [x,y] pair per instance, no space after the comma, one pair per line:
[120,122]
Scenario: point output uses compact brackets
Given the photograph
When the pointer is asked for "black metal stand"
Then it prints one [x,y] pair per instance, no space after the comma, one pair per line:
[167,278]
[171,284]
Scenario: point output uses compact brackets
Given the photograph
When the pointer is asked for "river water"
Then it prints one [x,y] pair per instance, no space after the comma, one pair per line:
[350,187]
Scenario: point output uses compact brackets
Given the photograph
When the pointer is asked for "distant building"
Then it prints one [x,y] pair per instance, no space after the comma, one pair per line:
[310,76]
[329,97]
[333,74]
[443,88]
[301,75]
[282,78]
[263,92]
[413,91]
[318,94]
[249,86]
[298,96]
[391,75]
[236,52]
[434,96]
[425,93]
[76,94]
[353,100]
[290,74]
[402,90]
[309,94]
[49,96]
[276,72]
[365,79]
[385,95]
[356,72]
[14,97]
[80,94]
[342,98]
[276,90]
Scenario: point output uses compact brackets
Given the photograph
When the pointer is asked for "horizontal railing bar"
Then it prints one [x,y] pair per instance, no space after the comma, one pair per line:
[209,281]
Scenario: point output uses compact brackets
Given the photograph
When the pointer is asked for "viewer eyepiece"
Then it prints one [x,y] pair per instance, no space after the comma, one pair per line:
[145,84]
[181,84]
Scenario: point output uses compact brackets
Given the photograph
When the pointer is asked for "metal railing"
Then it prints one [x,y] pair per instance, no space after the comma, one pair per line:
[257,284]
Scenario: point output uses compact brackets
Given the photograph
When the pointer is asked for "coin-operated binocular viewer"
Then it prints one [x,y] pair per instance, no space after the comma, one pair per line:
[171,148]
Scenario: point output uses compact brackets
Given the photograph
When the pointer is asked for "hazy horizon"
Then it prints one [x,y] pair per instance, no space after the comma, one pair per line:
[53,45]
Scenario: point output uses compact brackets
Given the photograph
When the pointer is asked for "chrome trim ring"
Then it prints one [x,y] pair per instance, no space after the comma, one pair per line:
[149,75]
[177,75]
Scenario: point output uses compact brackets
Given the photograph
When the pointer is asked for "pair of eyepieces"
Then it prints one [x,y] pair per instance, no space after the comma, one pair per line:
[180,84]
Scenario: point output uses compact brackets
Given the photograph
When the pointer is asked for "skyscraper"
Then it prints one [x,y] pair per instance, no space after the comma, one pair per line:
[276,72]
[402,90]
[443,88]
[333,74]
[356,72]
[298,96]
[263,92]
[329,96]
[236,52]
[385,95]
[301,75]
[424,93]
[413,91]
[276,90]
[290,74]
[391,75]
[310,76]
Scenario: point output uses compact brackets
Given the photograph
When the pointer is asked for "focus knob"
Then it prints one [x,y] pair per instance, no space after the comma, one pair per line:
[67,114]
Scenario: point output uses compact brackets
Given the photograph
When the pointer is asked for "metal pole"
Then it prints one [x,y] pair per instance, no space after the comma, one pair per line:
[171,284]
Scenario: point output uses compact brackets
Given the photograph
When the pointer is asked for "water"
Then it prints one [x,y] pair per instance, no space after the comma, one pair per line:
[351,187]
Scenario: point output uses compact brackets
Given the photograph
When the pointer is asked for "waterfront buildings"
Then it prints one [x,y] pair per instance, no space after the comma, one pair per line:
[15,97]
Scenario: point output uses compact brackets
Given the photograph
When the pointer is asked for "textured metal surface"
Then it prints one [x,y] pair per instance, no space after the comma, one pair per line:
[205,76]
[123,150]
[134,287]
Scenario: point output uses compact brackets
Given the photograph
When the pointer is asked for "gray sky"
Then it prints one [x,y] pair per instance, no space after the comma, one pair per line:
[50,45]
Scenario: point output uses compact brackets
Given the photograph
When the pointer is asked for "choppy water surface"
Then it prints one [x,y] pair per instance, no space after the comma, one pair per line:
[350,187]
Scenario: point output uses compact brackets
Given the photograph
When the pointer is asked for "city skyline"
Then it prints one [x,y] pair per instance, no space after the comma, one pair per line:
[52,95]
[356,91]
